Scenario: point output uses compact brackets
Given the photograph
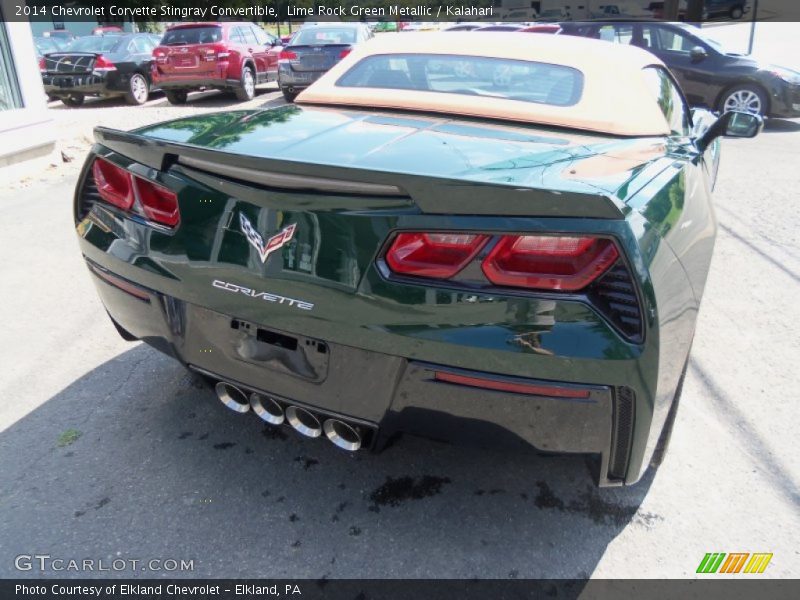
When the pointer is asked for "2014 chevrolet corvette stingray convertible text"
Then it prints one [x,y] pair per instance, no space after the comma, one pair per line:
[508,248]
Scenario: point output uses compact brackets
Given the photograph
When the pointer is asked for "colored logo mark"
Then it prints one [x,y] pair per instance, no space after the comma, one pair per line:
[735,562]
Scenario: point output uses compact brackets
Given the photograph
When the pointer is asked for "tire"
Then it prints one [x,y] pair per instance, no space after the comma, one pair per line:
[177,96]
[289,96]
[666,432]
[138,90]
[736,12]
[746,98]
[247,85]
[73,100]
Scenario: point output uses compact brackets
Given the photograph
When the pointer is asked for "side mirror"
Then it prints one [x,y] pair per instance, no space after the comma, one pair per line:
[698,53]
[731,124]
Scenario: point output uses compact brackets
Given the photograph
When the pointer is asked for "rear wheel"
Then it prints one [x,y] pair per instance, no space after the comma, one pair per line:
[247,86]
[73,100]
[736,12]
[289,96]
[177,96]
[138,90]
[745,98]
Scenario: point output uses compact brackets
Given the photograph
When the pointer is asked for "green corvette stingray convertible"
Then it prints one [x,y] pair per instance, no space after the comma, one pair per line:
[505,249]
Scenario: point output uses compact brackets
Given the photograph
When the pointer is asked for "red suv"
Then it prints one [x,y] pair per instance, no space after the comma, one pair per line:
[225,56]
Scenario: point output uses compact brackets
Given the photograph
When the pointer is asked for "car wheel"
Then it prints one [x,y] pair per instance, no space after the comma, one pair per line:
[247,87]
[289,96]
[744,98]
[73,100]
[736,12]
[177,97]
[138,90]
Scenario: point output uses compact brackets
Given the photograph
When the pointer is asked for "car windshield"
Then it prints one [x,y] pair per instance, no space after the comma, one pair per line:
[94,43]
[522,80]
[314,36]
[699,33]
[192,35]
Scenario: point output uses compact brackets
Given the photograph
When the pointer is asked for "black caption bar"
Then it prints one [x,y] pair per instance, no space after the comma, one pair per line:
[111,11]
[397,589]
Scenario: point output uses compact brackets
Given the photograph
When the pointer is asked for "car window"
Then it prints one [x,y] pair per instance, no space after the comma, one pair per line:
[262,38]
[249,36]
[94,43]
[671,40]
[235,36]
[140,45]
[314,36]
[192,35]
[670,99]
[526,81]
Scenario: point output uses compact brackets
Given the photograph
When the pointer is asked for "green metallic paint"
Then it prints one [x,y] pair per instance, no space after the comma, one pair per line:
[659,214]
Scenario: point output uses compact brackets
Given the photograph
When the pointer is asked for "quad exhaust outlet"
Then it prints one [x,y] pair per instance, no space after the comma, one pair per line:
[347,436]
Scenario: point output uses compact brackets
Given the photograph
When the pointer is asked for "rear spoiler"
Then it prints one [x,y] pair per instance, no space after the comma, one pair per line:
[432,195]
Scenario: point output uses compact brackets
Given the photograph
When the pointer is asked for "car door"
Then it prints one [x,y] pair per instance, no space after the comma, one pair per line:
[699,76]
[265,54]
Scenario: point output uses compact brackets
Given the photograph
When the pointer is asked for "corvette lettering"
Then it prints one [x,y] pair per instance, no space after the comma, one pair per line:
[278,240]
[269,297]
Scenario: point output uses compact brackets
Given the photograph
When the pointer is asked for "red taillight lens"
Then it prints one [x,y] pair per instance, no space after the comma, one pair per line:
[42,64]
[439,255]
[513,387]
[101,63]
[113,183]
[287,55]
[159,204]
[344,53]
[160,56]
[543,262]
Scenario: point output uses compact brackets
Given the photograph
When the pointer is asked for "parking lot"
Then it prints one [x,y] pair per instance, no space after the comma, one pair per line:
[111,450]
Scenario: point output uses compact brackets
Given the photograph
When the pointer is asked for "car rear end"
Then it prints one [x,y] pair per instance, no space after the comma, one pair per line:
[86,67]
[311,52]
[191,56]
[375,301]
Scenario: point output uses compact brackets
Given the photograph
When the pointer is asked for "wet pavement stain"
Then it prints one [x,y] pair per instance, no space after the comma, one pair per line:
[354,531]
[102,503]
[224,445]
[185,435]
[294,518]
[590,504]
[395,491]
[204,436]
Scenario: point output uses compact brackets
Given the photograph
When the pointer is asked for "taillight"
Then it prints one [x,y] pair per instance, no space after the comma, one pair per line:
[287,55]
[159,204]
[344,53]
[217,52]
[161,57]
[549,262]
[42,64]
[440,255]
[113,183]
[101,63]
[121,188]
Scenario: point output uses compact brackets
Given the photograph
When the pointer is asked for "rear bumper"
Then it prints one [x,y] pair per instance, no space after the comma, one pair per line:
[390,394]
[90,84]
[296,80]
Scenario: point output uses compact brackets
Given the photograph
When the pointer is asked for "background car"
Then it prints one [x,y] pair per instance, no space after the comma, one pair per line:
[45,45]
[501,27]
[107,29]
[227,56]
[100,65]
[60,34]
[315,49]
[464,27]
[542,28]
[709,75]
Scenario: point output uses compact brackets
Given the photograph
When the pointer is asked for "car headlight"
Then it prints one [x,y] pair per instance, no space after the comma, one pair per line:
[788,75]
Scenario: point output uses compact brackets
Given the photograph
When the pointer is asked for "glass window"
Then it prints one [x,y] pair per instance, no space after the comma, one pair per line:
[509,79]
[94,43]
[262,38]
[9,86]
[192,35]
[669,98]
[314,36]
[249,36]
[670,40]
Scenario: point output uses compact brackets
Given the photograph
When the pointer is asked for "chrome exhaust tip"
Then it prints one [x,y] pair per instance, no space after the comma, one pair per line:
[303,421]
[267,409]
[342,435]
[232,397]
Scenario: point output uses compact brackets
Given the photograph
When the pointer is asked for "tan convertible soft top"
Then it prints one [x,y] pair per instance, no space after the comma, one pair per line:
[615,99]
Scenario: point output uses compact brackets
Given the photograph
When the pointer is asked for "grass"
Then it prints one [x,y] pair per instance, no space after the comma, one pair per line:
[70,436]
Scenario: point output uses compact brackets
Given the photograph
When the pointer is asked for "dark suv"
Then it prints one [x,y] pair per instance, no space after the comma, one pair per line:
[226,56]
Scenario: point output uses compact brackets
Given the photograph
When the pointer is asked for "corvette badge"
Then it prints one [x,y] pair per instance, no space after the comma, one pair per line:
[277,241]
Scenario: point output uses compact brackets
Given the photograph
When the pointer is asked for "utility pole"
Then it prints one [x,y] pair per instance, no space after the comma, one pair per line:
[753,27]
[670,10]
[694,11]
